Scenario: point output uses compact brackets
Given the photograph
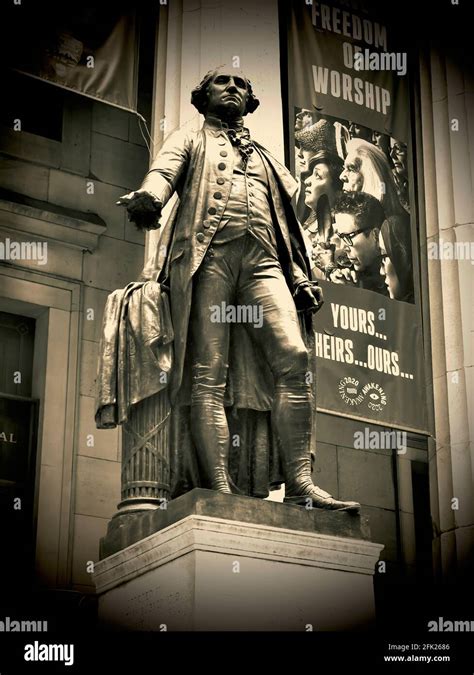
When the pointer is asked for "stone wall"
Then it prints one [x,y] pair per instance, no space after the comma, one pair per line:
[102,155]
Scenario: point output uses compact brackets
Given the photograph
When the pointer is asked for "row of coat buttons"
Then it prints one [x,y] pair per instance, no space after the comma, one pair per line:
[200,236]
[222,166]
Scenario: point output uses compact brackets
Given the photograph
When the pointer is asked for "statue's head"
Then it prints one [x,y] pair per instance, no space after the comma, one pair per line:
[226,93]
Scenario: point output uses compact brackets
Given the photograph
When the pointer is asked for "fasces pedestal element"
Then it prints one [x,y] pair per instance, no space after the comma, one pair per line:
[205,572]
[145,455]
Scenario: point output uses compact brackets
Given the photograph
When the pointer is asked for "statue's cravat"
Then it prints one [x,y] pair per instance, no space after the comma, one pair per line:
[241,139]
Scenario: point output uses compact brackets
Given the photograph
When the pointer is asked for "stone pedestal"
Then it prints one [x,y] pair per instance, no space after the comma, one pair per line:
[226,562]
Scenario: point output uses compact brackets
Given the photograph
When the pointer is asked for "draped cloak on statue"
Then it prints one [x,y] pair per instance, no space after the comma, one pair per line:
[190,164]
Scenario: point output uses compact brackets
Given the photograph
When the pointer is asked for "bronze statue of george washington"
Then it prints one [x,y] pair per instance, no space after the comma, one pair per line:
[233,264]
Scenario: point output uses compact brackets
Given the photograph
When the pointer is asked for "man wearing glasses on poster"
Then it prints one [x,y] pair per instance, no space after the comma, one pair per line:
[358,220]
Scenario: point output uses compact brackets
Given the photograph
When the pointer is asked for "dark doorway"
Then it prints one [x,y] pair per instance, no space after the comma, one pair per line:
[18,432]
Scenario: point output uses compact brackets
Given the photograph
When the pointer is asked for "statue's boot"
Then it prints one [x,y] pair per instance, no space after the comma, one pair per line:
[215,466]
[211,436]
[299,487]
[292,419]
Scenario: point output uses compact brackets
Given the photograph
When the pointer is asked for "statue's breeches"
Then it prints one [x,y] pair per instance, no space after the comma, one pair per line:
[240,281]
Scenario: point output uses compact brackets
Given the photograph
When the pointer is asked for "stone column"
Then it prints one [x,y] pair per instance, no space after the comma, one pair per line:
[445,95]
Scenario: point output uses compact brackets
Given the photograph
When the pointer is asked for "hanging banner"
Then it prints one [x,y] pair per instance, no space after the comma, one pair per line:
[351,154]
[78,46]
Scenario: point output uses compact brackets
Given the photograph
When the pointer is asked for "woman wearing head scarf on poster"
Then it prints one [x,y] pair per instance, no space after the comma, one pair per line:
[367,169]
[318,139]
[320,190]
[396,260]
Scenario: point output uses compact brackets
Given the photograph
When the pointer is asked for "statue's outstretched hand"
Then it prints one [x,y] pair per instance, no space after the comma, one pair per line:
[309,297]
[143,208]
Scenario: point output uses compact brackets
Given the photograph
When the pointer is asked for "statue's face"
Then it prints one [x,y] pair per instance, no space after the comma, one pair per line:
[227,95]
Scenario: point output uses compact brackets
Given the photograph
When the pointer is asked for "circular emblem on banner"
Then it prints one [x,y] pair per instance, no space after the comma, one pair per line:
[349,391]
[376,396]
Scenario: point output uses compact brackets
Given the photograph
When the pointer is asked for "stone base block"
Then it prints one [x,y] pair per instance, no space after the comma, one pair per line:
[209,573]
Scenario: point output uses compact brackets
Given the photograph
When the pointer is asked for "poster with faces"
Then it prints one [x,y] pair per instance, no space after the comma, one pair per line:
[351,238]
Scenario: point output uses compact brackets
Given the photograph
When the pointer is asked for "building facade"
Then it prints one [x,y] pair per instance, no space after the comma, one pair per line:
[60,179]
